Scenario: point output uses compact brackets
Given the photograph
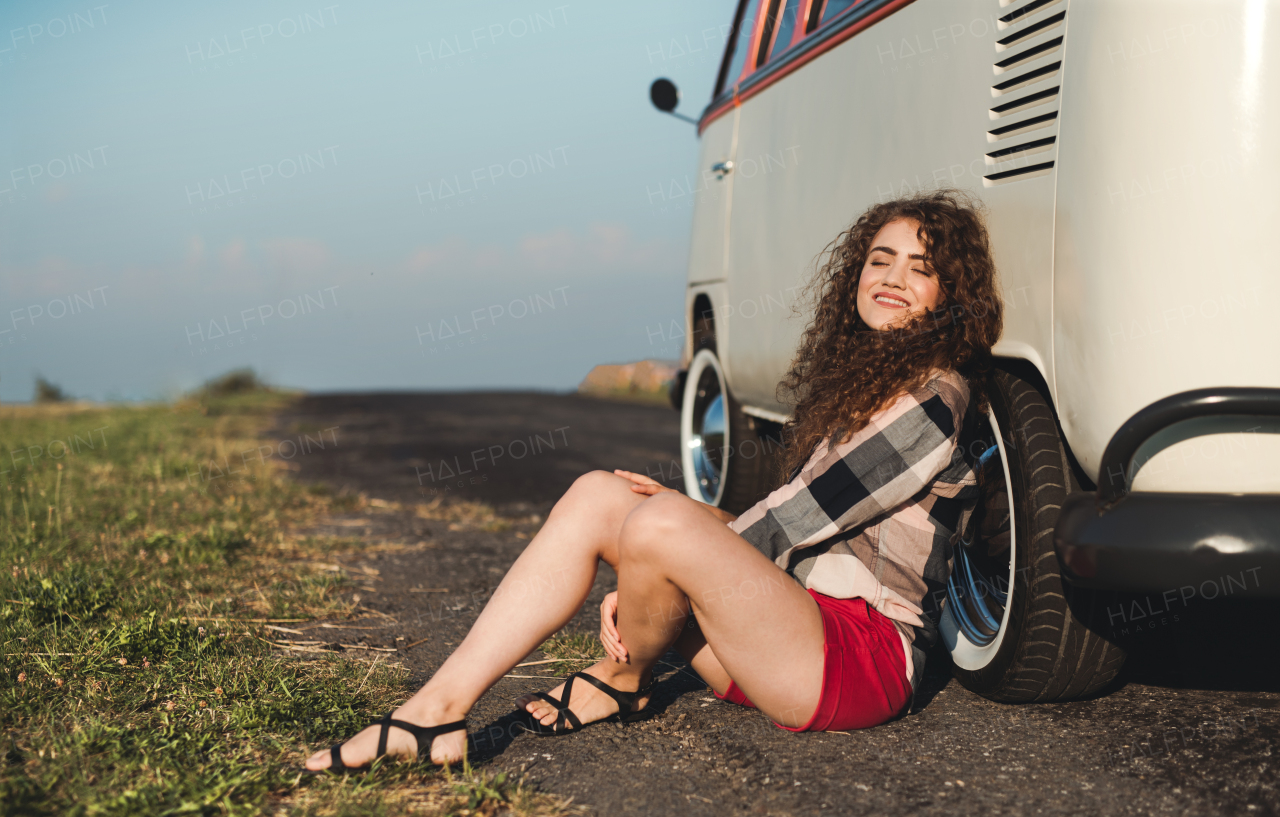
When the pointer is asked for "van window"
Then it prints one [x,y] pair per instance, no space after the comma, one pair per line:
[824,11]
[739,45]
[785,25]
[770,25]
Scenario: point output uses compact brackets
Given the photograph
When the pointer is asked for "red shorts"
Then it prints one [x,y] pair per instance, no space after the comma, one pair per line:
[864,669]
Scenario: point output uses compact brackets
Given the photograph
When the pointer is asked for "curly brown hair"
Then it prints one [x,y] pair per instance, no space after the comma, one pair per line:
[844,371]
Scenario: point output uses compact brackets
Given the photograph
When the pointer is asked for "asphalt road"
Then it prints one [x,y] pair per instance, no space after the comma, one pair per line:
[1190,727]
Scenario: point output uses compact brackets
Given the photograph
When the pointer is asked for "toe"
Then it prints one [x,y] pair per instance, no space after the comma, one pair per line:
[542,712]
[318,761]
[537,709]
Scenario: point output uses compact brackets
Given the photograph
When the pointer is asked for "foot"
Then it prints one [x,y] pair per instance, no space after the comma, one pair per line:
[585,701]
[361,749]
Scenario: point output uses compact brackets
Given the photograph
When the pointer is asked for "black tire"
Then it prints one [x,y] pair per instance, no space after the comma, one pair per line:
[751,446]
[1052,646]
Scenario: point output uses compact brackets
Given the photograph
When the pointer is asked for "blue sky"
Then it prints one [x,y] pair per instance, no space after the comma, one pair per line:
[344,196]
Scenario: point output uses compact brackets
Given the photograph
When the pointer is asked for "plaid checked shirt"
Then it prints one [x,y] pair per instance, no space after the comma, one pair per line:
[877,517]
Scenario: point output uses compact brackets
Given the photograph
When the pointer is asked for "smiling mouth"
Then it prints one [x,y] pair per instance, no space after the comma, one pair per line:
[890,301]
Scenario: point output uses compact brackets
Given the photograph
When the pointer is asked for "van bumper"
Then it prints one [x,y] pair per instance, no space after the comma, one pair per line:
[1114,539]
[1153,542]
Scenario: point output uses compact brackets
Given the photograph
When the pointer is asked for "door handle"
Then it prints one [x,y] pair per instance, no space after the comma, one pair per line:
[722,169]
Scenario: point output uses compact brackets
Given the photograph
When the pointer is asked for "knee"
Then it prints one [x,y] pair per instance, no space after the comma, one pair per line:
[652,526]
[594,480]
[591,486]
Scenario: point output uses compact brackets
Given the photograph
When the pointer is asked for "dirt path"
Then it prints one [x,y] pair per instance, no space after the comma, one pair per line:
[1191,729]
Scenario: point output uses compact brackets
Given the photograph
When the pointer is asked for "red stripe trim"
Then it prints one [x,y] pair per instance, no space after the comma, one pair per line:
[737,99]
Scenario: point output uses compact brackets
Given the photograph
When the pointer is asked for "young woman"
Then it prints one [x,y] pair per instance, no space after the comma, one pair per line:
[811,605]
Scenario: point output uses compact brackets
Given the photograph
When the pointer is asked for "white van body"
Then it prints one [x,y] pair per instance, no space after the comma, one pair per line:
[1138,266]
[1125,151]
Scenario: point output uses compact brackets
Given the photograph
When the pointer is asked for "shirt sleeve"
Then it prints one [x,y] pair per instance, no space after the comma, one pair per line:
[893,458]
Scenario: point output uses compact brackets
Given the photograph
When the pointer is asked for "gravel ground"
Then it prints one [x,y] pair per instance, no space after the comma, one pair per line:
[1189,728]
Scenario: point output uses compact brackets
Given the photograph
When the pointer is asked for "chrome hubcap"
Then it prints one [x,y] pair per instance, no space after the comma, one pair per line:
[709,432]
[978,588]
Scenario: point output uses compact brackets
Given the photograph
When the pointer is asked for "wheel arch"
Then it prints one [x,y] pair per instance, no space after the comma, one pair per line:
[702,337]
[1029,372]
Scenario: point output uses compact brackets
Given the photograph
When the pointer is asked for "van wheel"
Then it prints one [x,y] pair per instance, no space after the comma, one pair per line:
[726,457]
[1015,630]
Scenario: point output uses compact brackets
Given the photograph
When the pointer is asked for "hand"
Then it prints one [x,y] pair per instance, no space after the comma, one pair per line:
[609,629]
[649,487]
[643,484]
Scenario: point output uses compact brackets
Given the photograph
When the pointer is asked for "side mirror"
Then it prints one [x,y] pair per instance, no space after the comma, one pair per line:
[665,97]
[664,94]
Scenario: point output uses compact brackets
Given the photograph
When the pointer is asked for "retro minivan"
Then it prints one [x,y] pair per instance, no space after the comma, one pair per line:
[1126,154]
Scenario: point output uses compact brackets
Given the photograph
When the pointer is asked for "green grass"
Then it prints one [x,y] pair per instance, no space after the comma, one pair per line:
[135,572]
[575,652]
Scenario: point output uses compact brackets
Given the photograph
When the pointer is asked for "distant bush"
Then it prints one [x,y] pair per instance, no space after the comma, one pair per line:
[238,381]
[47,392]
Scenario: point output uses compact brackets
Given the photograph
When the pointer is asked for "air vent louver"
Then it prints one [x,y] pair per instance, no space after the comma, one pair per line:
[1025,56]
[1017,14]
[1038,98]
[1030,31]
[1006,153]
[1026,79]
[1028,83]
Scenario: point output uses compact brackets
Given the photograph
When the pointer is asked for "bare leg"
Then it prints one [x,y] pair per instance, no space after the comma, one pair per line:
[692,645]
[762,628]
[545,587]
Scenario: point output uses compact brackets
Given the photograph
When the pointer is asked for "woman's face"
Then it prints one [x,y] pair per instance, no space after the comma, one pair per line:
[896,283]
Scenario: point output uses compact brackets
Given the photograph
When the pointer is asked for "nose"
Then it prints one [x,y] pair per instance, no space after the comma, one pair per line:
[896,275]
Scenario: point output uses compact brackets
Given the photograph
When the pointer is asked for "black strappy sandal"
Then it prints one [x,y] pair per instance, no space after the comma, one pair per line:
[567,723]
[424,734]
